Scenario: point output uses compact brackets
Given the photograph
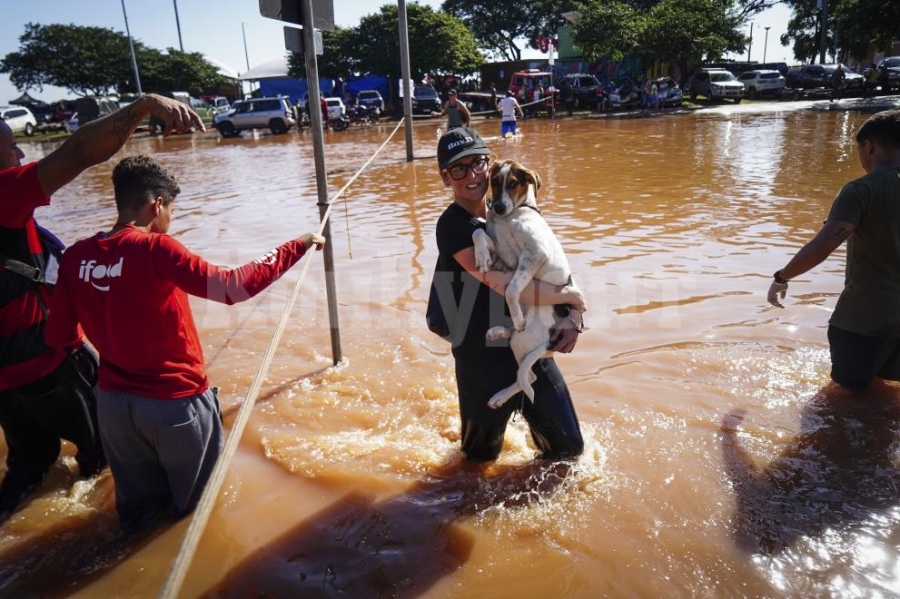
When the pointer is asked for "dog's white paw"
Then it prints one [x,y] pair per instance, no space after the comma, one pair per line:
[482,259]
[495,333]
[498,400]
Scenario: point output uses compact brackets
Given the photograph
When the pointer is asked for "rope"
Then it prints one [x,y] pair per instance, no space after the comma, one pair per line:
[178,569]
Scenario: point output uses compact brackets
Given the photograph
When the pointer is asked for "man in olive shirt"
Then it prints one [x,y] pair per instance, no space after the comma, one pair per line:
[864,330]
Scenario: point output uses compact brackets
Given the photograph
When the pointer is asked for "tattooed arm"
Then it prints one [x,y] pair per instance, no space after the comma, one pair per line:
[832,234]
[97,141]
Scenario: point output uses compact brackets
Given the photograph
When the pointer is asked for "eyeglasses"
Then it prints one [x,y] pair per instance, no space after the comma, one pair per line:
[459,171]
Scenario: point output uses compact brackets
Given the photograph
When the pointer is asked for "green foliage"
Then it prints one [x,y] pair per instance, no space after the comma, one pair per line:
[86,60]
[438,43]
[338,58]
[499,25]
[854,27]
[690,31]
[94,61]
[174,71]
[608,29]
[683,32]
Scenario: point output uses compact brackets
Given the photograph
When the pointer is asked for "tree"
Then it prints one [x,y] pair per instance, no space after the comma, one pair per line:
[438,43]
[338,57]
[173,70]
[607,29]
[854,27]
[690,32]
[683,32]
[499,26]
[85,60]
[94,61]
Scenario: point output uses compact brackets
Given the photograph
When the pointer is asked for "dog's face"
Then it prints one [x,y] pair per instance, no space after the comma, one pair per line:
[512,185]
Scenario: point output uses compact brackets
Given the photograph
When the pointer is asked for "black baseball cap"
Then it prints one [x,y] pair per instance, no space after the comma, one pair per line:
[458,143]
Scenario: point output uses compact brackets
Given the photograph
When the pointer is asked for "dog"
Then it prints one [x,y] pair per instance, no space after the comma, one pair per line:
[520,237]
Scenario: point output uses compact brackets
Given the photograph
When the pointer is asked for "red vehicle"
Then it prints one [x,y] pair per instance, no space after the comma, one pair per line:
[528,80]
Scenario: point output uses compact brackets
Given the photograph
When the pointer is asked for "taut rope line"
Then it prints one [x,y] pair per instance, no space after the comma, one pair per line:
[184,557]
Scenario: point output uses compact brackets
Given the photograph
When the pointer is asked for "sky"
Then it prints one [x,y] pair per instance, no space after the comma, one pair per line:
[217,29]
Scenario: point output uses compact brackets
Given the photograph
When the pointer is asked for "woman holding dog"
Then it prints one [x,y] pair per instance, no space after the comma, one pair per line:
[484,367]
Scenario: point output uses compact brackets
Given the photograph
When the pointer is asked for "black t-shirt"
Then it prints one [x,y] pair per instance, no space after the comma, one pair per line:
[475,307]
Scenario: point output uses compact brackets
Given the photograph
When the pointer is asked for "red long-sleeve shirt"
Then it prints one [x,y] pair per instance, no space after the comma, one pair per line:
[130,293]
[24,357]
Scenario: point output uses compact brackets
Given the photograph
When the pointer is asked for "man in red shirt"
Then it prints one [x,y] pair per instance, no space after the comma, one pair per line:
[45,393]
[128,288]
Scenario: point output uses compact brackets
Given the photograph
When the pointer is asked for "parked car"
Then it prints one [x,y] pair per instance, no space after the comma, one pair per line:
[673,94]
[889,69]
[336,108]
[813,76]
[714,84]
[19,119]
[626,96]
[762,82]
[48,118]
[425,100]
[276,114]
[582,88]
[370,98]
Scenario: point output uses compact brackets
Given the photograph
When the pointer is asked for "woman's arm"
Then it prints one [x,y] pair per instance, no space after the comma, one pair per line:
[537,293]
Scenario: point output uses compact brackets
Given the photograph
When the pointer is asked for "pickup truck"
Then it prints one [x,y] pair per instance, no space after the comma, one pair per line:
[814,76]
[582,88]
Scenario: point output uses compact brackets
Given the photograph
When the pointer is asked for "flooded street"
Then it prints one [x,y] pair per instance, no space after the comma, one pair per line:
[343,484]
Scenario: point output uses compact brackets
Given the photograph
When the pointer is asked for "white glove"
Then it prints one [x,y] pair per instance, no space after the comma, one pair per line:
[775,290]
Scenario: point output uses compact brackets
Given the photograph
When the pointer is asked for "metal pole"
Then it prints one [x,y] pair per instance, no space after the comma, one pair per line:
[315,121]
[178,25]
[766,45]
[750,45]
[246,57]
[137,76]
[404,70]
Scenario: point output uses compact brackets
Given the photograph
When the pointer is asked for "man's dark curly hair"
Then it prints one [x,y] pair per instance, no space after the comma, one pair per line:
[883,128]
[140,179]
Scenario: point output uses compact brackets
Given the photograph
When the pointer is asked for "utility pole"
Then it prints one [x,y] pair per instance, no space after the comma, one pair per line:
[246,56]
[823,29]
[178,25]
[137,77]
[766,45]
[750,45]
[405,73]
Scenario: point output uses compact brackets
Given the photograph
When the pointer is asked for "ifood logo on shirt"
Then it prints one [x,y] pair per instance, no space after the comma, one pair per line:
[97,274]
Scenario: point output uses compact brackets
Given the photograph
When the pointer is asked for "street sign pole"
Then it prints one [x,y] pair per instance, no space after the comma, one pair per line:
[311,15]
[315,119]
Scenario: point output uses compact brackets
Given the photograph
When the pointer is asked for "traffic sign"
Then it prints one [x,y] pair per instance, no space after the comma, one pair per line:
[290,11]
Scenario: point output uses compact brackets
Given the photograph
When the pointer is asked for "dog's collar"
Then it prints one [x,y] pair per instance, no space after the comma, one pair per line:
[490,204]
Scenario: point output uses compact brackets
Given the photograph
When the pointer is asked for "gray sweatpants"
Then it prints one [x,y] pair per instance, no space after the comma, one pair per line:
[161,452]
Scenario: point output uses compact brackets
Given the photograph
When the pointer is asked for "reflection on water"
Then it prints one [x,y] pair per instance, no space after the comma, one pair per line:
[673,226]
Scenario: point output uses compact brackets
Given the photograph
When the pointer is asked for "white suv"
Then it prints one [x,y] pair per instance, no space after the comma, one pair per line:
[19,119]
[762,82]
[276,114]
[714,84]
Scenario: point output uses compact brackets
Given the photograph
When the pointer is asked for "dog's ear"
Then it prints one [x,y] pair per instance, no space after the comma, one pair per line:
[535,178]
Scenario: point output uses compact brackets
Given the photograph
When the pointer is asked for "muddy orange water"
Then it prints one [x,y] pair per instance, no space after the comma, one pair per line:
[344,484]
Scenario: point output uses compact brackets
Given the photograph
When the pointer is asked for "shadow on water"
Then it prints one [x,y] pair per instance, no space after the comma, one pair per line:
[398,547]
[72,552]
[840,470]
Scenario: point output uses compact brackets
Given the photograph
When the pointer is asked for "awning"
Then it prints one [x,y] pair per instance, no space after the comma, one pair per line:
[273,69]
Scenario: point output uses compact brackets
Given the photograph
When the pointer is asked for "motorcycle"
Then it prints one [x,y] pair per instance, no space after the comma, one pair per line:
[337,124]
[363,115]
